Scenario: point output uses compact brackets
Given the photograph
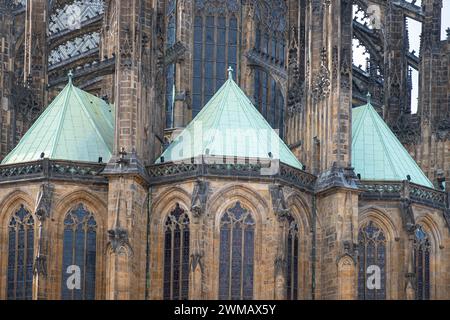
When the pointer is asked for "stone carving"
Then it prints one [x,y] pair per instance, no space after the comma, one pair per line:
[322,84]
[118,238]
[296,90]
[271,14]
[126,49]
[278,202]
[44,201]
[407,215]
[199,198]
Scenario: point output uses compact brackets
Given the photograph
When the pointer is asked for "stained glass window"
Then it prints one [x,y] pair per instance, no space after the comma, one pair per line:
[292,256]
[371,263]
[237,242]
[215,48]
[422,250]
[20,255]
[79,255]
[176,255]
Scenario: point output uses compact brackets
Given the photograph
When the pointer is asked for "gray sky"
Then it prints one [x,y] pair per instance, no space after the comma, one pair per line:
[415,29]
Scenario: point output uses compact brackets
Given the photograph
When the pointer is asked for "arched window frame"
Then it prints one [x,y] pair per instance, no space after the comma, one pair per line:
[176,266]
[21,233]
[422,260]
[237,251]
[292,259]
[79,250]
[372,250]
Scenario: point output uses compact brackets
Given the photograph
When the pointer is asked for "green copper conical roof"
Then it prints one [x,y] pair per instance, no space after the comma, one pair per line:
[229,125]
[76,126]
[377,154]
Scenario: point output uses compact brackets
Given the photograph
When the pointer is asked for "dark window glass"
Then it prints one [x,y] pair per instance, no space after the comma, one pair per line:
[176,255]
[269,100]
[215,48]
[20,256]
[292,256]
[79,254]
[422,249]
[372,255]
[236,262]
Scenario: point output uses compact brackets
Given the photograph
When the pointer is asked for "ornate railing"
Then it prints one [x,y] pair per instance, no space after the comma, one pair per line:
[262,170]
[52,169]
[428,196]
[403,190]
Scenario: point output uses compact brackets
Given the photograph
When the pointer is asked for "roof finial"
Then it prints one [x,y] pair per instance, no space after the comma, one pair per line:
[369,98]
[230,72]
[70,76]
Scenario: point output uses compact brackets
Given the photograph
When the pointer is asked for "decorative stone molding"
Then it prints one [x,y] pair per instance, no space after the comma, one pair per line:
[118,238]
[322,84]
[217,7]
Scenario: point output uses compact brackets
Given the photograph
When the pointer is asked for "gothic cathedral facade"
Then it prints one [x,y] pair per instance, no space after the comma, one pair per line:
[223,149]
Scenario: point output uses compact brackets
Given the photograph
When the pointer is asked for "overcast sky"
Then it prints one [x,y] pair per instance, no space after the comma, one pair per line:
[415,29]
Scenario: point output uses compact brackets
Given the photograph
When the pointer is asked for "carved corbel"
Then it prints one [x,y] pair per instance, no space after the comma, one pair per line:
[118,238]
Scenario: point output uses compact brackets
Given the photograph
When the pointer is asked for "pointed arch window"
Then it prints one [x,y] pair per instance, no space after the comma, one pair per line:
[79,255]
[216,38]
[237,243]
[176,255]
[292,256]
[20,255]
[422,252]
[372,263]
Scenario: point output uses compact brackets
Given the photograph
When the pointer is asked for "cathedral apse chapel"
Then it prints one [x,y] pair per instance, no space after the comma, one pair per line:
[224,149]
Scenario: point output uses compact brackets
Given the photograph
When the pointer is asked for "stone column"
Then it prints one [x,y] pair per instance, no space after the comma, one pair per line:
[328,83]
[36,55]
[41,282]
[280,262]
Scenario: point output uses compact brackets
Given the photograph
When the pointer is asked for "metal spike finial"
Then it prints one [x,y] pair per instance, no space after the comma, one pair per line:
[369,98]
[230,72]
[70,76]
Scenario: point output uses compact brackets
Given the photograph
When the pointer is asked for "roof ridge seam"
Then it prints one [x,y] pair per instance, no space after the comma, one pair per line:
[219,115]
[63,113]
